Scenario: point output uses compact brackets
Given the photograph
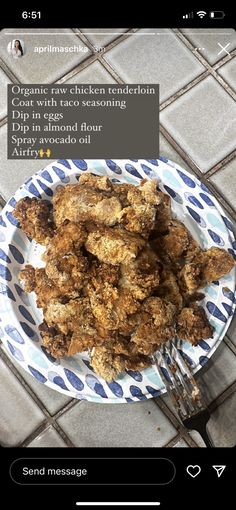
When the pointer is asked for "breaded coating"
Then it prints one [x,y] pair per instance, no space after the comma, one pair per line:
[149,191]
[27,278]
[191,277]
[217,263]
[121,192]
[34,216]
[176,244]
[139,219]
[68,239]
[98,182]
[155,325]
[169,288]
[83,203]
[193,325]
[114,246]
[107,364]
[55,342]
[69,272]
[163,215]
[142,275]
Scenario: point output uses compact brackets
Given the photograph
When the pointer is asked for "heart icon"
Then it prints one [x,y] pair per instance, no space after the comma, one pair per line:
[193,470]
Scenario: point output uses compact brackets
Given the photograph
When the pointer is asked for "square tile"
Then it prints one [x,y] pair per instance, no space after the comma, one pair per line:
[4,80]
[51,399]
[208,38]
[228,72]
[102,36]
[202,121]
[49,438]
[94,73]
[225,182]
[139,424]
[222,425]
[218,374]
[168,151]
[13,172]
[19,415]
[161,58]
[47,66]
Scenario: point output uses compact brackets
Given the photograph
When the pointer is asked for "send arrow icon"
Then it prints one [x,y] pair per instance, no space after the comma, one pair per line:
[219,470]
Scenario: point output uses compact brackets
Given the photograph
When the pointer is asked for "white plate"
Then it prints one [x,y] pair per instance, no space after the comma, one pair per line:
[191,202]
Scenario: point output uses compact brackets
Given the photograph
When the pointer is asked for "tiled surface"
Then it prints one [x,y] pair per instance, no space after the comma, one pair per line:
[209,39]
[102,36]
[18,171]
[48,438]
[15,403]
[95,73]
[159,59]
[4,80]
[52,400]
[44,67]
[232,331]
[228,72]
[140,424]
[225,182]
[222,425]
[202,121]
[219,373]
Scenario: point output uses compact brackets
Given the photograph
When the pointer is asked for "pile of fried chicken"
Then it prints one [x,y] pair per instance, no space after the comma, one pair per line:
[121,275]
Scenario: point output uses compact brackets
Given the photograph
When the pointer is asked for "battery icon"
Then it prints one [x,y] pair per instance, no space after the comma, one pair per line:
[217,14]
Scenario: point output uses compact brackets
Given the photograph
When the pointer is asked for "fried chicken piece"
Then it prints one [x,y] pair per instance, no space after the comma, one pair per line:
[121,191]
[155,325]
[139,219]
[55,342]
[80,203]
[149,191]
[68,239]
[168,288]
[114,246]
[27,278]
[104,273]
[142,275]
[191,277]
[206,267]
[35,218]
[177,244]
[69,273]
[217,263]
[107,364]
[193,325]
[138,362]
[37,280]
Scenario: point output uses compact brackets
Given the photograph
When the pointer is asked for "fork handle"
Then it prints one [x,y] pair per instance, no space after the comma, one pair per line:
[205,436]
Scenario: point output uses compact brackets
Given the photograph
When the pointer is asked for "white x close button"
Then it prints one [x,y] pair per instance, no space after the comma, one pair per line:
[223,48]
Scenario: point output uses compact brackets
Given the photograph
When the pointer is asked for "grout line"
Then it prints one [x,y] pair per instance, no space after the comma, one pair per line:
[66,408]
[110,70]
[221,164]
[35,433]
[222,397]
[77,69]
[224,60]
[23,383]
[230,344]
[3,121]
[173,441]
[195,169]
[211,69]
[2,201]
[8,71]
[174,420]
[184,89]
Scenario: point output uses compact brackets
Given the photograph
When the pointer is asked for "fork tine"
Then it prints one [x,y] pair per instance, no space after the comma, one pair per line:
[173,388]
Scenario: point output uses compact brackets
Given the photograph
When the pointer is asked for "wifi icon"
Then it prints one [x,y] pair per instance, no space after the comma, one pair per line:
[201,14]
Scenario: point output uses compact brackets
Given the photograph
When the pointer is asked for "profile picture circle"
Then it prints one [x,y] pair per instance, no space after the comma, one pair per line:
[16,48]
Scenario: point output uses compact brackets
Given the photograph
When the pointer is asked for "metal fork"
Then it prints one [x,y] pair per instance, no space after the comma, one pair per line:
[183,390]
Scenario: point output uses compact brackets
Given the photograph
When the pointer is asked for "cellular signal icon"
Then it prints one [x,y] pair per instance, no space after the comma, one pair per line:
[201,14]
[188,16]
